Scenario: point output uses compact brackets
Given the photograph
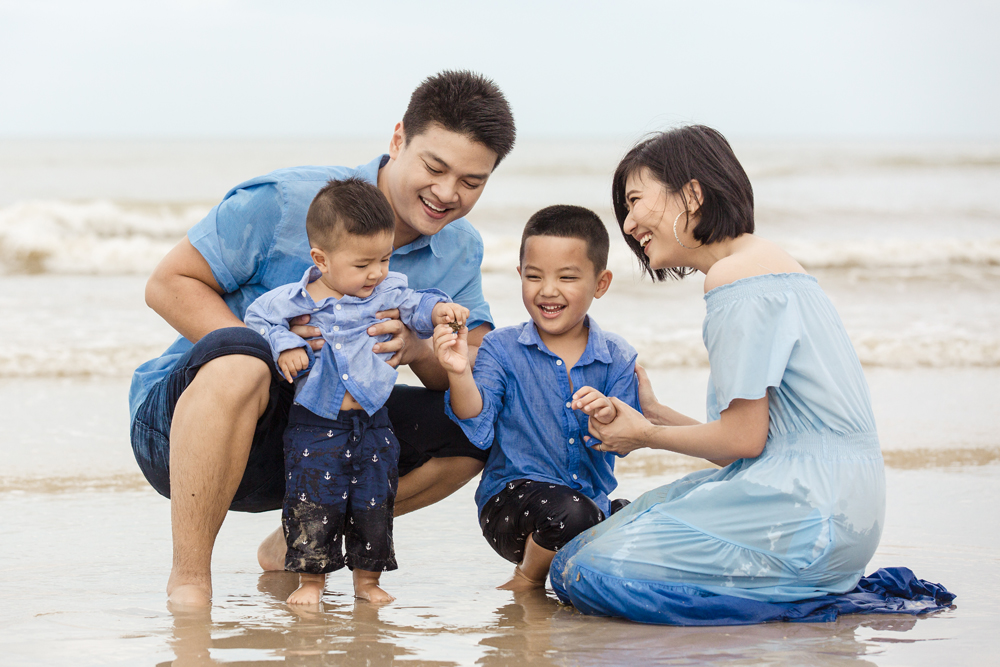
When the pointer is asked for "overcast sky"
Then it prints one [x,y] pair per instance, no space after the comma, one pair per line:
[767,68]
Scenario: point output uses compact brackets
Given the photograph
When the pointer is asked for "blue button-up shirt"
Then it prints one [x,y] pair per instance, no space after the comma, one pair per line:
[255,241]
[527,422]
[346,362]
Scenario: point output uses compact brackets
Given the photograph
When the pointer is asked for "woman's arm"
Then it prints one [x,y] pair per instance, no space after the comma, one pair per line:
[740,433]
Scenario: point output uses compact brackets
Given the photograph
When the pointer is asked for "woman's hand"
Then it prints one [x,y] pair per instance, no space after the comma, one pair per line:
[627,432]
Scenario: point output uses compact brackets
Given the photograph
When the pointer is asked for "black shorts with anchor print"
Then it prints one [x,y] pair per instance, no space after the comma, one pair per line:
[554,513]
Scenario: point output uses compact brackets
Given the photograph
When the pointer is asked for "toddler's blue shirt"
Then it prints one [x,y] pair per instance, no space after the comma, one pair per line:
[346,362]
[527,418]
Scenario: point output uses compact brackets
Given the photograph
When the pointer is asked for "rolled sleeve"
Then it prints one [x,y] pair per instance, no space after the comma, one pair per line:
[416,310]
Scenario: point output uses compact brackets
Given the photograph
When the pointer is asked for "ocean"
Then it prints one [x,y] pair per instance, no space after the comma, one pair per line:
[904,237]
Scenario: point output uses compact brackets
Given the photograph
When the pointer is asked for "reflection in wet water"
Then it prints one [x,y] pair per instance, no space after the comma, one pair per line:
[532,628]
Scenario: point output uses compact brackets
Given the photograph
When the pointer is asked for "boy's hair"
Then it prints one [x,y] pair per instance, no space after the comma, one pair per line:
[676,157]
[466,103]
[575,222]
[353,206]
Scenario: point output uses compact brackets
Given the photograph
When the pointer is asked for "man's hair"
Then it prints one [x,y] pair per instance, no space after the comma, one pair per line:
[466,103]
[353,206]
[675,158]
[574,222]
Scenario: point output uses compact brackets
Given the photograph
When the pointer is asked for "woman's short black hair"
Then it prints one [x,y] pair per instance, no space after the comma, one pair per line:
[676,157]
[466,103]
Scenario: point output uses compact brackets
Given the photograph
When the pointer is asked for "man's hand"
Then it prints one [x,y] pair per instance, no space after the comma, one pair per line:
[595,404]
[299,327]
[292,362]
[450,313]
[452,348]
[406,347]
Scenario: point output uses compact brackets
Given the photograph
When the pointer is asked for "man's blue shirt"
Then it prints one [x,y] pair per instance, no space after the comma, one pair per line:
[255,241]
[346,362]
[527,422]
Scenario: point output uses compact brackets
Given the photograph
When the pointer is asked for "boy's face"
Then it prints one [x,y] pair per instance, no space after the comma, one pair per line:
[356,264]
[436,178]
[558,283]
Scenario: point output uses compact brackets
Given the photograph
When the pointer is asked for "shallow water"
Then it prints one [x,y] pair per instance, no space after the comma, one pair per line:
[87,550]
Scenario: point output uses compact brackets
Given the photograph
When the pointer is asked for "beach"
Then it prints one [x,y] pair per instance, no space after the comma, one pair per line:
[905,238]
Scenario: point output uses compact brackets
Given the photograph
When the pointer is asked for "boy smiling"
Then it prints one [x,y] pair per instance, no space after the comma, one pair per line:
[532,391]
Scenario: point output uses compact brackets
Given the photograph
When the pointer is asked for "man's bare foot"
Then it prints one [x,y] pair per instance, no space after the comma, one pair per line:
[366,587]
[189,596]
[310,589]
[271,552]
[520,582]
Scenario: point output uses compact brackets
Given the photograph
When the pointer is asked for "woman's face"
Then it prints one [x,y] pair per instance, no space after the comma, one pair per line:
[650,220]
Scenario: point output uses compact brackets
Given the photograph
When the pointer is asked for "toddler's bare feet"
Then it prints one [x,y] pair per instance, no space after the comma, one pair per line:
[366,587]
[310,589]
[520,582]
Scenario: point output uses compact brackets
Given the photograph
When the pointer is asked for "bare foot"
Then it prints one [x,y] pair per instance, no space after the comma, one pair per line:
[189,596]
[310,589]
[271,552]
[366,588]
[520,582]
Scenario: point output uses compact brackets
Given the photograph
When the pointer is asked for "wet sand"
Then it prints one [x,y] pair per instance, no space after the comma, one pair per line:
[86,552]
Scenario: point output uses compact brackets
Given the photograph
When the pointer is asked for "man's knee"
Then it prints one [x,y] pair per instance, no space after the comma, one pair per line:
[233,380]
[461,469]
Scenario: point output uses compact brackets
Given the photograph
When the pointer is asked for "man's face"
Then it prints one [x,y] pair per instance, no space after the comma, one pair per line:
[434,179]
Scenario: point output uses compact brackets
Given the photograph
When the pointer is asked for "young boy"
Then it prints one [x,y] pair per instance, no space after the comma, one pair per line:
[340,452]
[532,391]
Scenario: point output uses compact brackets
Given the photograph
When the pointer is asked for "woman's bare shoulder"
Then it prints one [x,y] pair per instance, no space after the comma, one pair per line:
[752,257]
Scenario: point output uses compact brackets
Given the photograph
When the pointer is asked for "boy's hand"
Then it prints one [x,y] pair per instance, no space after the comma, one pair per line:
[452,347]
[449,313]
[291,362]
[595,404]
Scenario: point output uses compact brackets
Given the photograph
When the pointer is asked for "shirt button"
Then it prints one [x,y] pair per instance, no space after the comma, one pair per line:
[315,309]
[344,376]
[336,328]
[263,330]
[338,306]
[571,441]
[338,346]
[574,476]
[569,405]
[558,362]
[304,293]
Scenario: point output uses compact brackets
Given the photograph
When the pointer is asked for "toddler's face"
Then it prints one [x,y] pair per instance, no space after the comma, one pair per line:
[558,282]
[357,265]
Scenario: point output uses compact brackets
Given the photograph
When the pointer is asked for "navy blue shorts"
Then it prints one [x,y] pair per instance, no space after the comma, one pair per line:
[340,487]
[552,514]
[423,429]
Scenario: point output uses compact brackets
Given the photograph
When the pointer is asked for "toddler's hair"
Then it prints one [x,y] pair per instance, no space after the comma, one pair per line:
[353,206]
[574,222]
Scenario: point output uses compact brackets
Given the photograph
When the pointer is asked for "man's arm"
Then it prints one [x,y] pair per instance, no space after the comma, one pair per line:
[183,291]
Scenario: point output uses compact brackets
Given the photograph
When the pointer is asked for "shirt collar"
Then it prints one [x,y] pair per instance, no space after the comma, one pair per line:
[597,342]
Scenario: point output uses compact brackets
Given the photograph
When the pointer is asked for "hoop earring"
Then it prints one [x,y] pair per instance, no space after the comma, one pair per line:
[678,238]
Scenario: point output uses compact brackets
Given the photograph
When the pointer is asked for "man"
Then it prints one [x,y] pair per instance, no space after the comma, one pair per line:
[208,415]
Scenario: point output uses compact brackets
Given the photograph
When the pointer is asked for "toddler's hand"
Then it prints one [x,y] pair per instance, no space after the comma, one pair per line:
[595,404]
[452,348]
[449,313]
[291,362]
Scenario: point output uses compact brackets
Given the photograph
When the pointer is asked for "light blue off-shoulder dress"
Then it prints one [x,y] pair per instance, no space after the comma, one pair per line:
[800,521]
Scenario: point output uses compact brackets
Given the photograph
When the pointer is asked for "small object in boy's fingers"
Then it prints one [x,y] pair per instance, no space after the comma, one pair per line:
[455,326]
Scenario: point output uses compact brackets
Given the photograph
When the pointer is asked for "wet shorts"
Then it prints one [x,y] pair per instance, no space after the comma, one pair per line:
[552,513]
[422,428]
[340,487]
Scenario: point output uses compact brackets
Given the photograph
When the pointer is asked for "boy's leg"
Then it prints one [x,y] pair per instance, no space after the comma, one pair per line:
[193,437]
[436,459]
[368,534]
[528,522]
[310,590]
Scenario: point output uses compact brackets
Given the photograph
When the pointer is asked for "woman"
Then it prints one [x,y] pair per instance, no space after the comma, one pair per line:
[797,509]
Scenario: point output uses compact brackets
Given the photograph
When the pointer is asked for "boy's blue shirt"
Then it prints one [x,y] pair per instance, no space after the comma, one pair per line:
[527,422]
[255,241]
[346,362]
